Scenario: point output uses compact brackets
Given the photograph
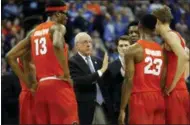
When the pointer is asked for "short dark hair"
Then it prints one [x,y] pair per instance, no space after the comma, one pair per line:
[124,37]
[133,23]
[148,21]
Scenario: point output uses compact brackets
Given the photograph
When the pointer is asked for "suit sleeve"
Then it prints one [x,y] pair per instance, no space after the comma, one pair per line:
[78,78]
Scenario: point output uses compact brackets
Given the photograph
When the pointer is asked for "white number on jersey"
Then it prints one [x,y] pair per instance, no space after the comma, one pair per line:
[40,45]
[151,61]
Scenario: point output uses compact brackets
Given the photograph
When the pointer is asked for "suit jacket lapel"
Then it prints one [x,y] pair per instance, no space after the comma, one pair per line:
[118,62]
[82,64]
[94,63]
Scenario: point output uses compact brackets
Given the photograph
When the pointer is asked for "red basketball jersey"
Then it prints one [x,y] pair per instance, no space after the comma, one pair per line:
[148,72]
[172,67]
[43,52]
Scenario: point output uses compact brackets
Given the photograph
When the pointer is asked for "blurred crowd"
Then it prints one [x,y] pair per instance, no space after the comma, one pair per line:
[104,21]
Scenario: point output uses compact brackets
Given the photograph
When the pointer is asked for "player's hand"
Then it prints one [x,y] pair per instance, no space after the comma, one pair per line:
[33,88]
[163,90]
[121,119]
[67,79]
[169,89]
[166,91]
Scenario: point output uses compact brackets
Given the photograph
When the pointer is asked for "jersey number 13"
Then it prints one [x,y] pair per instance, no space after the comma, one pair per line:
[40,46]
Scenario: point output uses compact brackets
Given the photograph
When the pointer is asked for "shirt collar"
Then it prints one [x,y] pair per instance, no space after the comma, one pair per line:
[84,57]
[121,60]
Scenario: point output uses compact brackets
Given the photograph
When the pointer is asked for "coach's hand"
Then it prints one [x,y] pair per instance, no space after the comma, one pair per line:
[121,119]
[67,79]
[105,63]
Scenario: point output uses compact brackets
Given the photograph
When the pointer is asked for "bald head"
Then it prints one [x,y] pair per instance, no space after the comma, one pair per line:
[83,43]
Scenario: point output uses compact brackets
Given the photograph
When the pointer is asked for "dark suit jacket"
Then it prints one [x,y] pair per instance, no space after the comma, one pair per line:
[115,79]
[84,88]
[10,89]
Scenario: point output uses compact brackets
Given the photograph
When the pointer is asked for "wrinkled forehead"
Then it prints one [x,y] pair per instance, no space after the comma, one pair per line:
[85,37]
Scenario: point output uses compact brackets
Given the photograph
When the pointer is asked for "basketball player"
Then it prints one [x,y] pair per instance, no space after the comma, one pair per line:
[26,98]
[133,31]
[143,63]
[55,102]
[177,101]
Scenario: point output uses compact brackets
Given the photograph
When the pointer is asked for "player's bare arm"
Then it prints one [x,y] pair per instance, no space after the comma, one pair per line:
[131,56]
[187,66]
[175,44]
[29,71]
[164,71]
[18,51]
[57,32]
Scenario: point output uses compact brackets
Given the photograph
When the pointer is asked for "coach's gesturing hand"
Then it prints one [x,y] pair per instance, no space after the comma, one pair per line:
[105,63]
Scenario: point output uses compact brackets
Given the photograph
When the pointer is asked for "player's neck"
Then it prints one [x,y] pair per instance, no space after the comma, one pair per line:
[147,37]
[51,19]
[164,29]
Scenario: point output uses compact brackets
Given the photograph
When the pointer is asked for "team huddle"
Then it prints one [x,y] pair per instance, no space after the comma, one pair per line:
[154,85]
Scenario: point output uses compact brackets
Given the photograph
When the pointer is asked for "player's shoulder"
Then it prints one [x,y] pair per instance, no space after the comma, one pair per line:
[59,27]
[173,35]
[138,47]
[142,43]
[156,45]
[29,34]
[134,49]
[41,25]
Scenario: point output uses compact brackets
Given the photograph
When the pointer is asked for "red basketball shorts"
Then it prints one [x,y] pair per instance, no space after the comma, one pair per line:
[26,103]
[178,107]
[55,103]
[147,108]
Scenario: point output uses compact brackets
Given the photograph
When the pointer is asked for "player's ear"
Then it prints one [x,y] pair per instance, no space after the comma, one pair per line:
[76,46]
[158,22]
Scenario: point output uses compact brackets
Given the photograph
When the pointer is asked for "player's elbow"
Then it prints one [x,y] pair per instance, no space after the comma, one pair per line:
[57,43]
[129,84]
[185,58]
[8,57]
